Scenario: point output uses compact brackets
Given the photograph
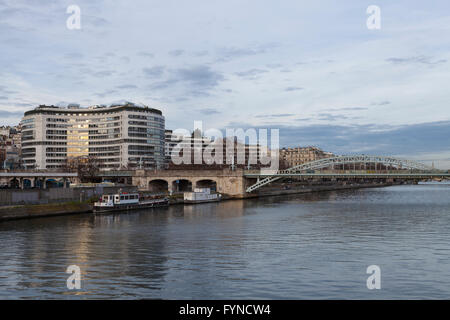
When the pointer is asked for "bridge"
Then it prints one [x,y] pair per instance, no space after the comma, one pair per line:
[351,167]
[226,181]
[240,182]
[40,179]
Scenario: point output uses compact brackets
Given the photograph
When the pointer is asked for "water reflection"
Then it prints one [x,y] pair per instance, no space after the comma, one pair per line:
[298,246]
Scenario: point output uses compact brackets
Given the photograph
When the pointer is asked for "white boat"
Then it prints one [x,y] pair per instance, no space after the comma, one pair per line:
[201,195]
[123,201]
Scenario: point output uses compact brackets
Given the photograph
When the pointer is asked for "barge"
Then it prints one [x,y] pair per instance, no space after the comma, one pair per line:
[201,195]
[125,202]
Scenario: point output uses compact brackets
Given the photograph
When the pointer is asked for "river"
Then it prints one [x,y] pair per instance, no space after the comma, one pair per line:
[310,246]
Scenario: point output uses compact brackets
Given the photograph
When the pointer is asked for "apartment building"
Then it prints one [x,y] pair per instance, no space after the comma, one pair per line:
[118,136]
[10,147]
[295,156]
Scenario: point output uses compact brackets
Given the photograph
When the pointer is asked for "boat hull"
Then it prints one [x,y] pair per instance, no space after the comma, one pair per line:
[130,207]
[201,201]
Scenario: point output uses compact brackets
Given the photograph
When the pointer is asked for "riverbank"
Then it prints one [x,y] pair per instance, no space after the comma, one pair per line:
[43,210]
[70,208]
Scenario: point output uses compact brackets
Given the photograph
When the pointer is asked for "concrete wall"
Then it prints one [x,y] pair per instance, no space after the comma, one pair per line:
[36,196]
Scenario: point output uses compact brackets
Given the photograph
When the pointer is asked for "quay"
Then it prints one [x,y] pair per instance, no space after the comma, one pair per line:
[31,211]
[35,194]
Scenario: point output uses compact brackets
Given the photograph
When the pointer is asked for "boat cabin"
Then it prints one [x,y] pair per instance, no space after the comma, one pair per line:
[120,198]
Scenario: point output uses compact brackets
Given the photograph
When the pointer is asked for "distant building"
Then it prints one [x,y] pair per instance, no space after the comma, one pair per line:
[291,157]
[10,147]
[239,155]
[119,136]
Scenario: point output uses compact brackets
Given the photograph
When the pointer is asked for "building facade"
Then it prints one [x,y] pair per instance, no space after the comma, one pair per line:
[10,147]
[207,153]
[118,136]
[292,157]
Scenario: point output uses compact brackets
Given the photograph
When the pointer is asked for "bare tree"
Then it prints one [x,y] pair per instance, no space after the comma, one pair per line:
[87,168]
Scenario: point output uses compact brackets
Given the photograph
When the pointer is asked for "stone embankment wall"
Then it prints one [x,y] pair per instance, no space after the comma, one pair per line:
[10,197]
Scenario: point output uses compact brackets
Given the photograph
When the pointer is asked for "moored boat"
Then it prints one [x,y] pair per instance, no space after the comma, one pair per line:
[125,202]
[201,195]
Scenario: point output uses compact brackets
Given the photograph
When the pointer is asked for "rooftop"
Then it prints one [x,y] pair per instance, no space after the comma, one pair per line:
[75,108]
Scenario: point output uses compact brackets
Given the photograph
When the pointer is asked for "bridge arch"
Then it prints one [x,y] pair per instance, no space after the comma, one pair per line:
[207,183]
[354,159]
[28,183]
[182,185]
[14,183]
[343,160]
[158,186]
[51,183]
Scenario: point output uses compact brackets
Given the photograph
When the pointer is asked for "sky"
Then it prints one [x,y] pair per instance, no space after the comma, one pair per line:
[311,69]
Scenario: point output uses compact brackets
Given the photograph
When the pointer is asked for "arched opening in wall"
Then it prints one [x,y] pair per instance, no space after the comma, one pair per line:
[60,183]
[182,185]
[51,183]
[14,184]
[158,186]
[38,183]
[211,184]
[27,184]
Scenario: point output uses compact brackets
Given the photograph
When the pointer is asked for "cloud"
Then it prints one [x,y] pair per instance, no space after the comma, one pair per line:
[9,114]
[74,55]
[410,140]
[195,81]
[153,72]
[288,89]
[146,54]
[252,73]
[347,109]
[103,74]
[201,53]
[127,86]
[416,60]
[106,93]
[230,53]
[199,76]
[331,117]
[21,104]
[382,103]
[176,53]
[277,115]
[209,111]
[274,65]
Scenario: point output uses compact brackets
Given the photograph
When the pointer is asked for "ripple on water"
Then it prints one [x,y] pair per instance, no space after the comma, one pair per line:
[309,246]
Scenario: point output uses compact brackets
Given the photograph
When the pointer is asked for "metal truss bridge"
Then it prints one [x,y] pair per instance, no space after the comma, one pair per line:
[396,169]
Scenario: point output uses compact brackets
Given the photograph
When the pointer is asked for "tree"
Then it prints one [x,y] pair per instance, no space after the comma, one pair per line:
[87,168]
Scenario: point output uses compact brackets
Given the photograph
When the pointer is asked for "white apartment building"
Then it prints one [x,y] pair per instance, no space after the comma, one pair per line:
[118,136]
